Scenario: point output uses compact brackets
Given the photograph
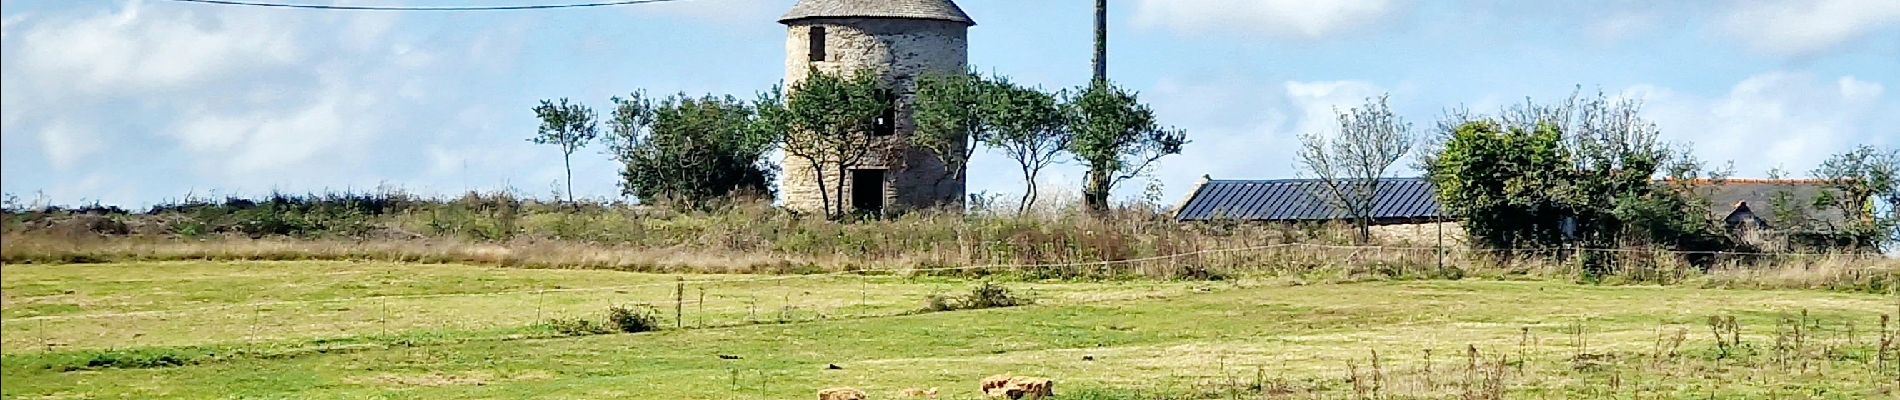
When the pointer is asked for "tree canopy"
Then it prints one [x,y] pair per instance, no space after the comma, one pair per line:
[958,113]
[1116,137]
[689,151]
[1588,172]
[828,121]
[569,126]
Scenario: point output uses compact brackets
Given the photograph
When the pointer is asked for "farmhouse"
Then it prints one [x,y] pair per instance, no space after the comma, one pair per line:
[1775,214]
[902,40]
[1771,214]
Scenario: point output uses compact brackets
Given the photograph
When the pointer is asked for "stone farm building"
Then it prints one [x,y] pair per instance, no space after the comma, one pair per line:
[1777,214]
[1405,209]
[901,40]
[1769,214]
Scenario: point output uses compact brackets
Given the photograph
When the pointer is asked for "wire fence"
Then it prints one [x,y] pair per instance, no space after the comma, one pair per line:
[705,301]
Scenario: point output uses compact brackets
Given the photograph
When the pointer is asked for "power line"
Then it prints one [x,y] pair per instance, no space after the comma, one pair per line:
[423,8]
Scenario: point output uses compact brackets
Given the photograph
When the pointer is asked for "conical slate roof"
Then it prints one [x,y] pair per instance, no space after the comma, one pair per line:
[943,10]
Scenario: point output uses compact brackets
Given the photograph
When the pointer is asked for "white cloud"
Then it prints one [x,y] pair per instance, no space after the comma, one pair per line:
[6,24]
[1806,27]
[1622,25]
[1318,103]
[1291,18]
[330,121]
[134,49]
[239,90]
[227,97]
[1243,129]
[1776,120]
[65,145]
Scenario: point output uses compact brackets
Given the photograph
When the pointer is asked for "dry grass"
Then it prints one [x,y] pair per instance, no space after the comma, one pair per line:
[757,239]
[1193,255]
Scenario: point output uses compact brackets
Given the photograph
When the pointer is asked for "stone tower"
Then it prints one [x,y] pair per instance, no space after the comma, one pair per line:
[900,39]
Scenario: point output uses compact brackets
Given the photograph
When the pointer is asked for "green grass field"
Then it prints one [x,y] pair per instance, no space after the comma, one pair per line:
[380,330]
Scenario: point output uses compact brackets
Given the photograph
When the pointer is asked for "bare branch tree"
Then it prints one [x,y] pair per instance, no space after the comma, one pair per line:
[1349,164]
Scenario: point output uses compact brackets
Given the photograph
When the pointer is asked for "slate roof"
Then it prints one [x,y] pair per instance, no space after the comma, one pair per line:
[1405,200]
[1759,194]
[943,10]
[1399,200]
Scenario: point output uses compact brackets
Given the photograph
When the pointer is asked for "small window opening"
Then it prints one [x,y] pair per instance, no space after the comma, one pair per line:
[886,123]
[817,43]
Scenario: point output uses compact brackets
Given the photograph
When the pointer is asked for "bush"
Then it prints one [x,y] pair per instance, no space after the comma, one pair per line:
[939,302]
[991,295]
[620,319]
[985,295]
[130,359]
[577,327]
[633,319]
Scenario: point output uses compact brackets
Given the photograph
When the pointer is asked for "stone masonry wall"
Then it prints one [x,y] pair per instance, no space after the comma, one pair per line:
[901,50]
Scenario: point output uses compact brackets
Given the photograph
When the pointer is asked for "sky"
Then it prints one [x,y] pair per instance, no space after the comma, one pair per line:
[133,103]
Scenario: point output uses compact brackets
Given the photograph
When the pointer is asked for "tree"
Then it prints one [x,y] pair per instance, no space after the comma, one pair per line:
[1585,172]
[1030,128]
[570,126]
[828,120]
[950,123]
[1616,156]
[1499,181]
[1864,177]
[1116,137]
[956,113]
[1370,139]
[690,150]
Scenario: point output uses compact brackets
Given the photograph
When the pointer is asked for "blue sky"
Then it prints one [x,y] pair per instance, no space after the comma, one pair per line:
[135,102]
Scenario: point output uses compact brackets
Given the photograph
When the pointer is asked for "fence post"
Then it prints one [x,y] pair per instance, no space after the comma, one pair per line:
[46,339]
[702,307]
[679,303]
[1441,244]
[257,315]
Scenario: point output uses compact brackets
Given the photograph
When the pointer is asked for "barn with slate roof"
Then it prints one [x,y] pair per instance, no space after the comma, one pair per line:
[1399,201]
[1765,213]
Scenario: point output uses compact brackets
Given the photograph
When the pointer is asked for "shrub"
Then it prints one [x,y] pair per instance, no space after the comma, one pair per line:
[627,319]
[130,359]
[577,327]
[985,295]
[992,295]
[633,319]
[939,302]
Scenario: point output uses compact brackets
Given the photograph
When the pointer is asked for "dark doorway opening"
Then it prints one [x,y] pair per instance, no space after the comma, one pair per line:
[867,191]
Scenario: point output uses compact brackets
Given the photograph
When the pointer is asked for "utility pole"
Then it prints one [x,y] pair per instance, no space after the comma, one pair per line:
[1101,42]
